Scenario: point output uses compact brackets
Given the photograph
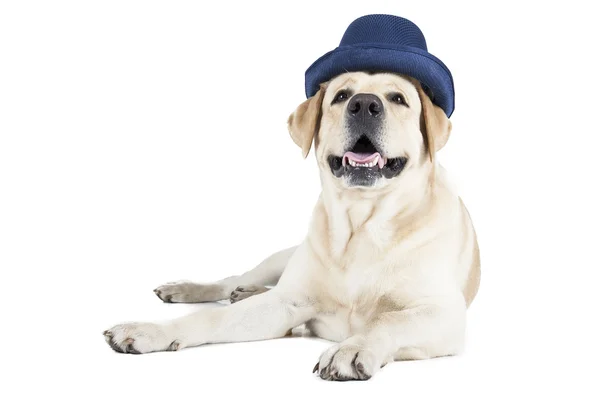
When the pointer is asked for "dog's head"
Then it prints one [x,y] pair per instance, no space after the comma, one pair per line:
[370,130]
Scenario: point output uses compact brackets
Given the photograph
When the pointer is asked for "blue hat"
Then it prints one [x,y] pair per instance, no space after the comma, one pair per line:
[385,43]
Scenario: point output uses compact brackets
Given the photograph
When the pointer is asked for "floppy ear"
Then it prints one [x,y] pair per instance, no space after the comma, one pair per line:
[435,125]
[304,123]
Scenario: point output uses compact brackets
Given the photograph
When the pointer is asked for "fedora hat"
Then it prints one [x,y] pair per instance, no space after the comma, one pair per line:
[381,42]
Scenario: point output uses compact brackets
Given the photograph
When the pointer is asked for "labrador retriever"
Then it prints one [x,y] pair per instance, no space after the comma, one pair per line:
[390,262]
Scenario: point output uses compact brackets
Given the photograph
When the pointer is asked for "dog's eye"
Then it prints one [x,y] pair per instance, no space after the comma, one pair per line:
[398,99]
[342,95]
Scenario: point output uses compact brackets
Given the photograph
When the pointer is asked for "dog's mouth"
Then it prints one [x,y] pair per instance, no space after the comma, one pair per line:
[363,164]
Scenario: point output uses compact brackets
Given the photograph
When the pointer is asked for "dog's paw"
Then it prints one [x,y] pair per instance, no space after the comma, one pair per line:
[245,291]
[346,362]
[189,292]
[139,338]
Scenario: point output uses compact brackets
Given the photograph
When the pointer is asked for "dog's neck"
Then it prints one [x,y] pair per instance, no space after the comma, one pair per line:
[357,217]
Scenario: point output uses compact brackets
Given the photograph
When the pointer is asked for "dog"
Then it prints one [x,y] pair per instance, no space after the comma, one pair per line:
[390,263]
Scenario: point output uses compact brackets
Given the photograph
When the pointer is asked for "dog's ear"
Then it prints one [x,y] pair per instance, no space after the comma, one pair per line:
[435,125]
[304,123]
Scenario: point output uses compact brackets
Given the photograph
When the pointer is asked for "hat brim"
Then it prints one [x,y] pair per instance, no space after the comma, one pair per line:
[410,61]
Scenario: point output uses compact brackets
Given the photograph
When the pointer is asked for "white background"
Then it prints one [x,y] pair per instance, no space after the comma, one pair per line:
[144,141]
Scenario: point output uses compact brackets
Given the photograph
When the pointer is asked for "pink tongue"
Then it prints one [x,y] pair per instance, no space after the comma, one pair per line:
[362,158]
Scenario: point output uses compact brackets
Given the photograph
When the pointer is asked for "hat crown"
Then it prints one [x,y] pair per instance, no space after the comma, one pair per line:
[385,30]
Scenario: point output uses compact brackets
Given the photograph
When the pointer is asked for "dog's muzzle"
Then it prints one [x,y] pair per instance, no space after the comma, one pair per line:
[364,161]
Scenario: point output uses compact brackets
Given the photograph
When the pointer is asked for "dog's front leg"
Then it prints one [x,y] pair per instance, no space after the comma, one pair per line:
[265,316]
[431,328]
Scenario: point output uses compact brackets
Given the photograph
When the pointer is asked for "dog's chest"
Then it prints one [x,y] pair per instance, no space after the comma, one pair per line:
[349,301]
[356,274]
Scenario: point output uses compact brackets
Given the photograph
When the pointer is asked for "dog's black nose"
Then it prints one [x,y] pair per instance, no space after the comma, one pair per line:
[365,105]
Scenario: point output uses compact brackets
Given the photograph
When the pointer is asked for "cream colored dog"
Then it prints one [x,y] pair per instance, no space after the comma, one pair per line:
[390,263]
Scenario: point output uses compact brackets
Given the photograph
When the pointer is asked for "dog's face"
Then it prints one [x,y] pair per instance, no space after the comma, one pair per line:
[370,129]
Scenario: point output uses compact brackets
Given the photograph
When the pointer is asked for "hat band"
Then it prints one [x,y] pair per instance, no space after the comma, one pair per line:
[385,46]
